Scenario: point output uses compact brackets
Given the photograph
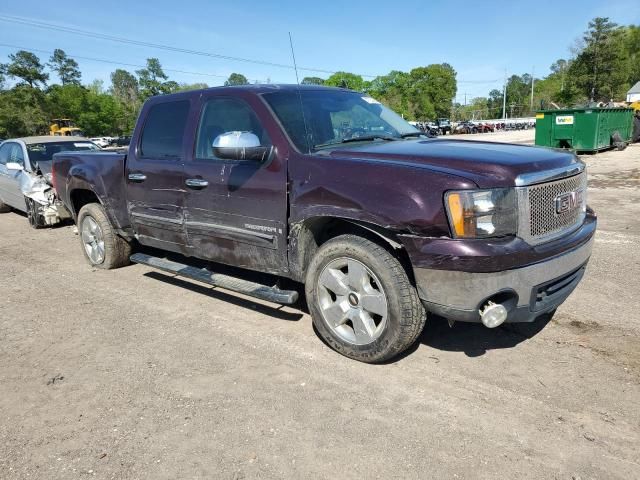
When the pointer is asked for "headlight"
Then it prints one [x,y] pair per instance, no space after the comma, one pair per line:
[482,213]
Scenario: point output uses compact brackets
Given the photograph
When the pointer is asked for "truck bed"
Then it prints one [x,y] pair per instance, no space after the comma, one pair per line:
[99,172]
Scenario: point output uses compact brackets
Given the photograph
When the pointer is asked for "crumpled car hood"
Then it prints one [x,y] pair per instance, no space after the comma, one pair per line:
[35,187]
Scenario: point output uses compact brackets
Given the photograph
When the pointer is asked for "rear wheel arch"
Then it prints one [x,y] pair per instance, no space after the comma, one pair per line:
[98,236]
[80,197]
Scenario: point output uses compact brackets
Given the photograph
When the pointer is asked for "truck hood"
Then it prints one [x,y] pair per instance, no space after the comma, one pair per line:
[487,164]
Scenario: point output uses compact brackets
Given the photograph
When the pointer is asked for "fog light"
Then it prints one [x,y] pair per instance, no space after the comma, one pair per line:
[493,314]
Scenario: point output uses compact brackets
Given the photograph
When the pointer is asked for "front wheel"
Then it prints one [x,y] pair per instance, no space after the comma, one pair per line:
[102,247]
[36,220]
[361,300]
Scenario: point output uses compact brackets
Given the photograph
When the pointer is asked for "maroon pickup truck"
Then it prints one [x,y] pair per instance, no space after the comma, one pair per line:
[330,188]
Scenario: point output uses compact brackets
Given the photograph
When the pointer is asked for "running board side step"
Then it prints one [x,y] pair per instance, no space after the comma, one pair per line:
[252,289]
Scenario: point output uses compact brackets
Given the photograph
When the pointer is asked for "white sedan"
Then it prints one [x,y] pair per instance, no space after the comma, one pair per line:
[102,142]
[25,166]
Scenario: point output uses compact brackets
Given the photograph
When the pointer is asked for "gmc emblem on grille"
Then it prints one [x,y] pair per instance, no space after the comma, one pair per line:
[569,201]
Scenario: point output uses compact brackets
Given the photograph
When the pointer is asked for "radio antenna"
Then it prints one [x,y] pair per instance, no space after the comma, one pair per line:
[304,120]
[293,55]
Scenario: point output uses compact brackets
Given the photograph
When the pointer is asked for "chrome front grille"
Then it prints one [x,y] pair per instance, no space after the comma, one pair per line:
[539,220]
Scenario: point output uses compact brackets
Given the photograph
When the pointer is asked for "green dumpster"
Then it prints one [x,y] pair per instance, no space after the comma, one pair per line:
[584,129]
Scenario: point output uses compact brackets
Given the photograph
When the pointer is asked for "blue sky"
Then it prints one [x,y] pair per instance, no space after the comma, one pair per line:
[480,39]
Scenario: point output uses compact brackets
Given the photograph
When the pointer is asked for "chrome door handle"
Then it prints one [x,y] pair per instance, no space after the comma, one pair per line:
[196,183]
[137,177]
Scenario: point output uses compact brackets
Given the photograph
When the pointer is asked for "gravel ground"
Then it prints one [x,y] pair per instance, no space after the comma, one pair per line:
[132,374]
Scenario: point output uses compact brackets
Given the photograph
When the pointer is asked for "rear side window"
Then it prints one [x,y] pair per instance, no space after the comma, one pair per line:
[4,153]
[163,130]
[11,152]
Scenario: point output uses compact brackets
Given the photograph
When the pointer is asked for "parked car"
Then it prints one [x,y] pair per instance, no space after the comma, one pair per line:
[444,125]
[465,127]
[122,141]
[484,127]
[25,176]
[102,142]
[380,228]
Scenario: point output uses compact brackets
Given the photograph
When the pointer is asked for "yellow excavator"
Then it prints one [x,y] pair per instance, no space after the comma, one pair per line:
[64,127]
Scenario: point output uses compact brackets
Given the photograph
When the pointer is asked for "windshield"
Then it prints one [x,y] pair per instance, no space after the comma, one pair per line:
[333,117]
[43,152]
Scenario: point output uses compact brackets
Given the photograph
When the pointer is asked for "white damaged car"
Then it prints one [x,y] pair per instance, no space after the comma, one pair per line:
[25,176]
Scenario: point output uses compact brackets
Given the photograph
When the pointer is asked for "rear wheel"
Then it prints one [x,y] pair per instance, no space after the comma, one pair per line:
[361,300]
[102,247]
[36,220]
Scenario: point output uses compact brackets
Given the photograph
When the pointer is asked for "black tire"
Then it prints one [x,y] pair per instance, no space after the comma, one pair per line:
[4,208]
[116,249]
[405,315]
[617,141]
[35,219]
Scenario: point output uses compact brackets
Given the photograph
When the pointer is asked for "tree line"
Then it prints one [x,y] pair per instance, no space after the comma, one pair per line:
[29,105]
[604,63]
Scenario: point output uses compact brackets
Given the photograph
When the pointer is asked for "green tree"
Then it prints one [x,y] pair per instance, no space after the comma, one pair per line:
[152,79]
[22,112]
[631,40]
[393,90]
[27,67]
[66,68]
[312,81]
[183,87]
[2,76]
[236,79]
[346,80]
[599,70]
[494,103]
[124,86]
[433,89]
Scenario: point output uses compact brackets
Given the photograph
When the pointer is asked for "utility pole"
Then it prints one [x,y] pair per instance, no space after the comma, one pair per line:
[512,105]
[504,96]
[532,82]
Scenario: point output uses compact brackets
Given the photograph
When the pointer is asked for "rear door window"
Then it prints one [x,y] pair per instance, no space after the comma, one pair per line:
[163,130]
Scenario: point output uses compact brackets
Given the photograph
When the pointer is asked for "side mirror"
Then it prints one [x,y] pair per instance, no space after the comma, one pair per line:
[240,146]
[14,166]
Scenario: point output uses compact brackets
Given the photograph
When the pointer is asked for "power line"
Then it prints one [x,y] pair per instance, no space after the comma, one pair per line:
[102,60]
[113,38]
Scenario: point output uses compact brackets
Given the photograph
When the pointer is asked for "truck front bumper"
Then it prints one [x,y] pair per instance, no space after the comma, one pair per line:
[527,292]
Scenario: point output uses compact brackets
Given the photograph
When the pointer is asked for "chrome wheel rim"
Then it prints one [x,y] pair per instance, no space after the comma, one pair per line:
[352,301]
[93,240]
[31,213]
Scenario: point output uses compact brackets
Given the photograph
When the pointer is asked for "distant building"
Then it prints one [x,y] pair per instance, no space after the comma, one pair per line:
[633,95]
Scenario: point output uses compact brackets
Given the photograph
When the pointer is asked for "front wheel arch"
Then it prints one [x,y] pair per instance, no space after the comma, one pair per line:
[311,234]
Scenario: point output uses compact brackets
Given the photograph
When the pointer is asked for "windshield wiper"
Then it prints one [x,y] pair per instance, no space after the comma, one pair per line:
[366,138]
[412,134]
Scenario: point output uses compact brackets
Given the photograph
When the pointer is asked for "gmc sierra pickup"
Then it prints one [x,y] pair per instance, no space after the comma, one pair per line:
[330,188]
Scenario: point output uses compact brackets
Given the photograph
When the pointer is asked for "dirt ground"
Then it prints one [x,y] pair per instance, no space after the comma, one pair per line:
[131,374]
